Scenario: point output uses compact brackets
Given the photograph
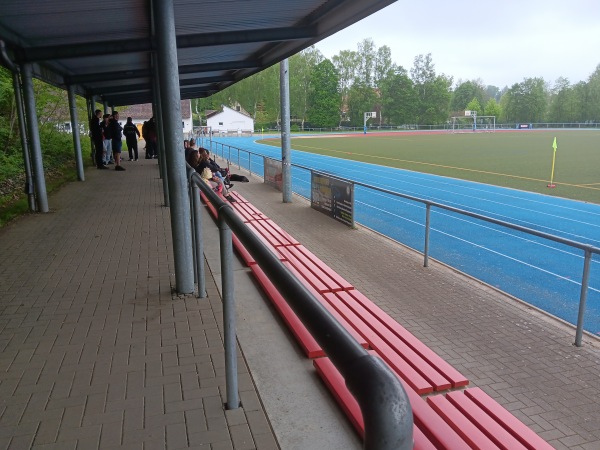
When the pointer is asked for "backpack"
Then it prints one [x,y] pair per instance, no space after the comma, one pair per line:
[236,177]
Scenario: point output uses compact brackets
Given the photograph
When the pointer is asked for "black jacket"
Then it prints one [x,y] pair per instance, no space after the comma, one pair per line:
[130,131]
[116,130]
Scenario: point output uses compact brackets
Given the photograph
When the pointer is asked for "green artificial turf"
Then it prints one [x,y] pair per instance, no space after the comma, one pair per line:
[514,159]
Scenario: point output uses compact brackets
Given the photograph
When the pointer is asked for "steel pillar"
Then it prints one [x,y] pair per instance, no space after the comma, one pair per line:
[24,143]
[34,140]
[286,159]
[160,142]
[164,20]
[75,130]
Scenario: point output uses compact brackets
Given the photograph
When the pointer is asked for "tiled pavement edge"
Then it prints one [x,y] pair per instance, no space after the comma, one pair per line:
[521,357]
[96,350]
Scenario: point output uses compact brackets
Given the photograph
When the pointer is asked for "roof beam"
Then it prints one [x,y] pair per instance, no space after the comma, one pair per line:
[50,52]
[143,73]
[148,86]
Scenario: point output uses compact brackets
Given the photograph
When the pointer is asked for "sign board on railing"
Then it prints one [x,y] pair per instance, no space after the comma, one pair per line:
[273,173]
[333,197]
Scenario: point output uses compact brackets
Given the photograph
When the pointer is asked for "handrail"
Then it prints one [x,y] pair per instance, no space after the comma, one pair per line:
[385,407]
[588,249]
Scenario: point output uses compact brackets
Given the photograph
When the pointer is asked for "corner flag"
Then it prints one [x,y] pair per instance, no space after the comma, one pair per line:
[554,146]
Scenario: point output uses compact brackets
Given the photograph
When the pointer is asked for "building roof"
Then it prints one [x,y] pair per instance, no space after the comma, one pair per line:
[144,110]
[213,113]
[111,52]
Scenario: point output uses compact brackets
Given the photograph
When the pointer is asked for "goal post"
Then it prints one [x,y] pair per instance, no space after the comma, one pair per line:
[472,123]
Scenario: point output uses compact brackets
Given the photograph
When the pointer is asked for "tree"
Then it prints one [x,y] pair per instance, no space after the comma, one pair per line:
[474,105]
[398,97]
[366,62]
[324,98]
[302,66]
[526,101]
[465,93]
[432,91]
[346,63]
[492,108]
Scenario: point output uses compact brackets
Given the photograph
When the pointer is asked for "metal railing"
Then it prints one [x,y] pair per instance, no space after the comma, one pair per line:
[385,407]
[588,250]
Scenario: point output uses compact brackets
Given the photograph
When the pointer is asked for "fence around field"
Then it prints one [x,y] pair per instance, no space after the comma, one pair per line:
[373,127]
[417,226]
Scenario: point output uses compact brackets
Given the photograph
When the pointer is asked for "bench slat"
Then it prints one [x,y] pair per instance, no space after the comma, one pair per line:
[453,375]
[461,424]
[282,235]
[514,426]
[398,364]
[485,423]
[238,197]
[436,432]
[244,254]
[357,336]
[309,345]
[345,285]
[305,274]
[310,270]
[363,317]
[265,241]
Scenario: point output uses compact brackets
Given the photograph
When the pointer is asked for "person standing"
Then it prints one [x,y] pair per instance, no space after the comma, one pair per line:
[107,157]
[116,132]
[151,138]
[132,134]
[96,132]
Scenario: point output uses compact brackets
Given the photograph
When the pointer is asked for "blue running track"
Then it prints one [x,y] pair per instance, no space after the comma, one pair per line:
[543,273]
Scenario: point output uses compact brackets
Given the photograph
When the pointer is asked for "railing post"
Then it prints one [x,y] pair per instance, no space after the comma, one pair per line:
[583,297]
[250,163]
[427,228]
[197,238]
[229,328]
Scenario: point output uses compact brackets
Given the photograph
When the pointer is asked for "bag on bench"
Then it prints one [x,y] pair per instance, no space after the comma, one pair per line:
[236,177]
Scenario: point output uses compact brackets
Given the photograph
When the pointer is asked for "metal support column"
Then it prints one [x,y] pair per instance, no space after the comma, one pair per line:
[160,138]
[75,131]
[198,240]
[164,20]
[24,143]
[34,139]
[105,106]
[91,104]
[284,94]
[229,328]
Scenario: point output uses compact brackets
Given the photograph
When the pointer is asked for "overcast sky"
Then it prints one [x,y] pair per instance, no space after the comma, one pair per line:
[500,43]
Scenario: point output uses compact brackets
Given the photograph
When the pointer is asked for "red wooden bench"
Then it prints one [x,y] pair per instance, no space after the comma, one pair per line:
[302,335]
[430,431]
[361,304]
[315,274]
[238,197]
[385,341]
[308,344]
[273,234]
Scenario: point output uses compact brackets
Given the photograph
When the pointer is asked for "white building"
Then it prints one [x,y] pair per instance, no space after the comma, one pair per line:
[228,121]
[141,113]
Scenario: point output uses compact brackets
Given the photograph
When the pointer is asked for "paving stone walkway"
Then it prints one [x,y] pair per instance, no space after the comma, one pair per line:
[96,352]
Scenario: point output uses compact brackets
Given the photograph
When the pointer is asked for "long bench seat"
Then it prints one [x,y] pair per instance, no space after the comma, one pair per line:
[468,419]
[460,419]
